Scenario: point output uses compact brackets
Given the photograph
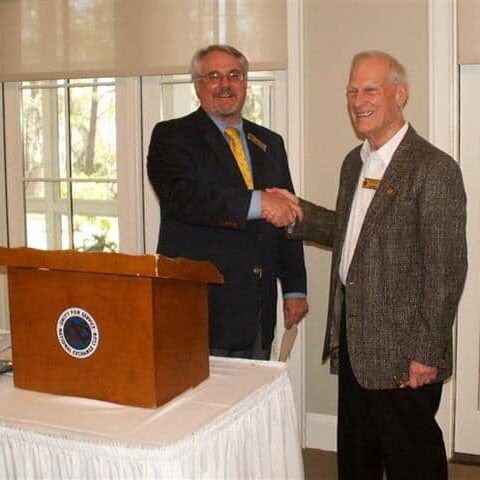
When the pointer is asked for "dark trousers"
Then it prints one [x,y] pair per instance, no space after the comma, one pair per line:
[392,429]
[257,351]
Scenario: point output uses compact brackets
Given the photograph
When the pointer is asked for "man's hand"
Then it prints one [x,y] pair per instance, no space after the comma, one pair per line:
[288,195]
[294,309]
[421,374]
[278,209]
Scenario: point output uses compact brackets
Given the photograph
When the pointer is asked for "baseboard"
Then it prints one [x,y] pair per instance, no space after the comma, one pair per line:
[465,458]
[321,432]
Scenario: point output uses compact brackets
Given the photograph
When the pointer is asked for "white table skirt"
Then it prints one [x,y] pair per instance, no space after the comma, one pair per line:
[238,424]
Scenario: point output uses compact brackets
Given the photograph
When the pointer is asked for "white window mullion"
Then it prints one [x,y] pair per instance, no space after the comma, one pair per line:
[129,166]
[105,208]
[68,160]
[52,219]
[14,166]
[4,315]
[151,101]
[3,192]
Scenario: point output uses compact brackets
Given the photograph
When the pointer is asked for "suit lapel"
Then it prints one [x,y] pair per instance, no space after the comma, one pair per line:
[391,183]
[257,150]
[217,145]
[345,206]
[351,183]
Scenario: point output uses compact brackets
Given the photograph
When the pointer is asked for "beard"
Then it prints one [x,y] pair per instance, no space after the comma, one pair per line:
[226,102]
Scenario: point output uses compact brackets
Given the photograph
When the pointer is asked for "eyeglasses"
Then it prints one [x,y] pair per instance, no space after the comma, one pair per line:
[234,76]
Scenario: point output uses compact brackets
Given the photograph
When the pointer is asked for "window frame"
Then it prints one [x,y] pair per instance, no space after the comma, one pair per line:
[151,109]
[129,166]
[138,101]
[4,311]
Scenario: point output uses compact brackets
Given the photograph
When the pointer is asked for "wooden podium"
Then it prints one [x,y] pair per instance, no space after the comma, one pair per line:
[121,328]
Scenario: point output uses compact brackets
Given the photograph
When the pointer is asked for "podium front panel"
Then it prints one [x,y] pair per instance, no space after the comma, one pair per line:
[180,312]
[130,328]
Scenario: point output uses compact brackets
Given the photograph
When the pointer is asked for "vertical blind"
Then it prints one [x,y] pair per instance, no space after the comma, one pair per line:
[48,39]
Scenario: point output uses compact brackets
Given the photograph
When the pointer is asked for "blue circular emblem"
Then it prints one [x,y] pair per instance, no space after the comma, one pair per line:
[77,332]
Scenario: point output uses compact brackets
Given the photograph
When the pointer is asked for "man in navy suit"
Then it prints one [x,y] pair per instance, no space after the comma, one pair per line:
[213,207]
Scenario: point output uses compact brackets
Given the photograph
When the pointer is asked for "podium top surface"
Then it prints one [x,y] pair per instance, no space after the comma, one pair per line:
[111,263]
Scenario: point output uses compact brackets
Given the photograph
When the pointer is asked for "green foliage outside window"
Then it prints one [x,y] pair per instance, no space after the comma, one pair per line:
[69,139]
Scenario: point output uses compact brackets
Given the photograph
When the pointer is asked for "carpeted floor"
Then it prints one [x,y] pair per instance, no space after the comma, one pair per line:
[321,465]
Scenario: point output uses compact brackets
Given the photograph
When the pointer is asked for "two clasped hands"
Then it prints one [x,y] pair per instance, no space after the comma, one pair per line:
[280,207]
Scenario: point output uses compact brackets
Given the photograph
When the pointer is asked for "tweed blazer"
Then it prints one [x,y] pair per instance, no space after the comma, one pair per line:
[204,204]
[408,268]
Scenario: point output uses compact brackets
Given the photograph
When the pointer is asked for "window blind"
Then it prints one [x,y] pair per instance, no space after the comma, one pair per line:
[49,39]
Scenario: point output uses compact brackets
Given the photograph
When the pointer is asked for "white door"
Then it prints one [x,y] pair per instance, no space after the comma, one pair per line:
[467,411]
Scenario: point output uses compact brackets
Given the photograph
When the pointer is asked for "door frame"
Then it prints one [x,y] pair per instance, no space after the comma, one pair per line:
[296,157]
[468,330]
[444,132]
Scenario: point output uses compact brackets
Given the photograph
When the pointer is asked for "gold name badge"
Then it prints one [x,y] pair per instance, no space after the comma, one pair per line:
[371,183]
[257,142]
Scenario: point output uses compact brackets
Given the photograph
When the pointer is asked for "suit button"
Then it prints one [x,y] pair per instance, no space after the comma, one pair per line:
[257,271]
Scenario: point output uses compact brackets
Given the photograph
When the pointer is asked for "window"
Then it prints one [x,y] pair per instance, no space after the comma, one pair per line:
[165,97]
[171,96]
[70,164]
[178,98]
[79,181]
[65,192]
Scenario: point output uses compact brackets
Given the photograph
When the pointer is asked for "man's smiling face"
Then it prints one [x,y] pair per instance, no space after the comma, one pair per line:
[222,98]
[375,102]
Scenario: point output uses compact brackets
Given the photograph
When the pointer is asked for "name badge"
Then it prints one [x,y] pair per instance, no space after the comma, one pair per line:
[371,183]
[257,142]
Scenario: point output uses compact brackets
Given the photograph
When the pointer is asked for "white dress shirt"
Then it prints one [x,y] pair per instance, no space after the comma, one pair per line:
[375,162]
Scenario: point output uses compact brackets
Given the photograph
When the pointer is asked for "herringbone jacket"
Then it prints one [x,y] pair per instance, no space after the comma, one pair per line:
[408,269]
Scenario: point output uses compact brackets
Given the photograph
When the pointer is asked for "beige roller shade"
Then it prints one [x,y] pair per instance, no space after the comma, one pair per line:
[45,39]
[468,31]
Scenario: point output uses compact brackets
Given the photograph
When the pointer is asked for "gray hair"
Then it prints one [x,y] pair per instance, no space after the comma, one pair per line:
[398,74]
[196,63]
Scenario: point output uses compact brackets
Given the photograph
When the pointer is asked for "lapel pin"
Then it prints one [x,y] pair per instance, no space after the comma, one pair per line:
[257,142]
[390,191]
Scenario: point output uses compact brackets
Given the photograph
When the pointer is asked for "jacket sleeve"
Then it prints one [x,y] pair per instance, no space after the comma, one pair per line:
[185,193]
[317,225]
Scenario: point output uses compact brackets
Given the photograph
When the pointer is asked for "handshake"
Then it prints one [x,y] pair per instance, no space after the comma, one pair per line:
[280,207]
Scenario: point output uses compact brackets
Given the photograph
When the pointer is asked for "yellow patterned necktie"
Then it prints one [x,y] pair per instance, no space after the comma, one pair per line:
[239,154]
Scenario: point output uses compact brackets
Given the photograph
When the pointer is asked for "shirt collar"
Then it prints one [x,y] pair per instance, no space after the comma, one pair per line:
[386,151]
[222,126]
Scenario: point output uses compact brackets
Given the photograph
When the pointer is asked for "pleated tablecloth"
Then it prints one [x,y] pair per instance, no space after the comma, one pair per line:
[240,423]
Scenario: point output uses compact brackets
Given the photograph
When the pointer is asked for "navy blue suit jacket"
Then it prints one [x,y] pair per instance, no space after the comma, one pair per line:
[204,204]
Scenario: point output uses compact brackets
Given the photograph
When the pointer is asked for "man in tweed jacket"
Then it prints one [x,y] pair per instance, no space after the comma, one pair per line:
[398,268]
